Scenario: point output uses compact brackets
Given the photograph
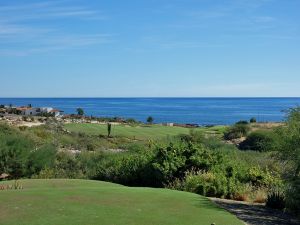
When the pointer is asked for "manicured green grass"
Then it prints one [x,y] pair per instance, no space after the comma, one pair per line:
[139,132]
[85,202]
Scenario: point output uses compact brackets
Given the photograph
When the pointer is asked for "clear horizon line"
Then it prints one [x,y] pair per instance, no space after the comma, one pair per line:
[157,97]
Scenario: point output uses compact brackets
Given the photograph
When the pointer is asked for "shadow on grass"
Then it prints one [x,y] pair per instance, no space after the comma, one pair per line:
[256,214]
[208,204]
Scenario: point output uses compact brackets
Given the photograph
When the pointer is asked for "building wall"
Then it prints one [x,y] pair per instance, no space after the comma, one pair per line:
[46,109]
[30,112]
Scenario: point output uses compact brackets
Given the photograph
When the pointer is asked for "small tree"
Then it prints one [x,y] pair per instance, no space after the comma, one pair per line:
[150,120]
[80,111]
[253,120]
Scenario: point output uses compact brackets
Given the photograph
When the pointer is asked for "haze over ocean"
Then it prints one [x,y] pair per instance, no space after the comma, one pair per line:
[202,111]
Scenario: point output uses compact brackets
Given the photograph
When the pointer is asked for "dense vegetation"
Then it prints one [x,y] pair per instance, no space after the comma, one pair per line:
[199,161]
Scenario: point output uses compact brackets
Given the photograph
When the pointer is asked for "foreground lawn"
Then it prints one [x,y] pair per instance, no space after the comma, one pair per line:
[139,132]
[63,202]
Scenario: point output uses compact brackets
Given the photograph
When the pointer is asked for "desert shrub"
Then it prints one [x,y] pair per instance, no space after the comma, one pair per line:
[90,147]
[214,184]
[289,152]
[259,141]
[67,140]
[67,166]
[46,173]
[223,173]
[172,161]
[216,144]
[275,199]
[22,128]
[293,195]
[185,138]
[243,122]
[71,166]
[205,159]
[260,195]
[19,154]
[88,161]
[6,130]
[262,177]
[193,136]
[169,162]
[42,132]
[126,168]
[236,131]
[136,147]
[40,159]
[158,167]
[14,152]
[253,120]
[194,168]
[206,183]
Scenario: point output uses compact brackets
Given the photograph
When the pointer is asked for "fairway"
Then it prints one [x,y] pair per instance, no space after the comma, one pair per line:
[85,202]
[138,132]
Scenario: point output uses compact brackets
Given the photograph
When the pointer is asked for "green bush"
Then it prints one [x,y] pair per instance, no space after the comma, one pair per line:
[206,183]
[243,122]
[259,177]
[169,162]
[126,168]
[289,153]
[293,195]
[67,166]
[259,141]
[253,120]
[214,183]
[14,152]
[40,159]
[236,131]
[193,136]
[172,161]
[20,157]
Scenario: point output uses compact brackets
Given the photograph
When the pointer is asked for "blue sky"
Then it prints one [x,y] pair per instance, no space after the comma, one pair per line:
[144,48]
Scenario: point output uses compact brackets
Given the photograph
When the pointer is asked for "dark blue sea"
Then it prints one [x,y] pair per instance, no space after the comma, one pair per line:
[202,111]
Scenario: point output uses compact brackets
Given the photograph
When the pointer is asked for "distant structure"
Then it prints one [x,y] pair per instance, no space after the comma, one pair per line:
[53,111]
[168,124]
[27,111]
[31,111]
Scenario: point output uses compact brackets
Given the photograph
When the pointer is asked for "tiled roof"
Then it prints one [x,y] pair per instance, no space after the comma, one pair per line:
[54,110]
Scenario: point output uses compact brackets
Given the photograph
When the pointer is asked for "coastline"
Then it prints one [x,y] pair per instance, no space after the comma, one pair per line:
[201,111]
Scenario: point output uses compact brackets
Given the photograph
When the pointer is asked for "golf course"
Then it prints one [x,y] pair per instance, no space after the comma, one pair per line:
[63,202]
[141,132]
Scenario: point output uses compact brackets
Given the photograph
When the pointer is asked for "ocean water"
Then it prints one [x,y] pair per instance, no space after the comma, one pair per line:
[202,111]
